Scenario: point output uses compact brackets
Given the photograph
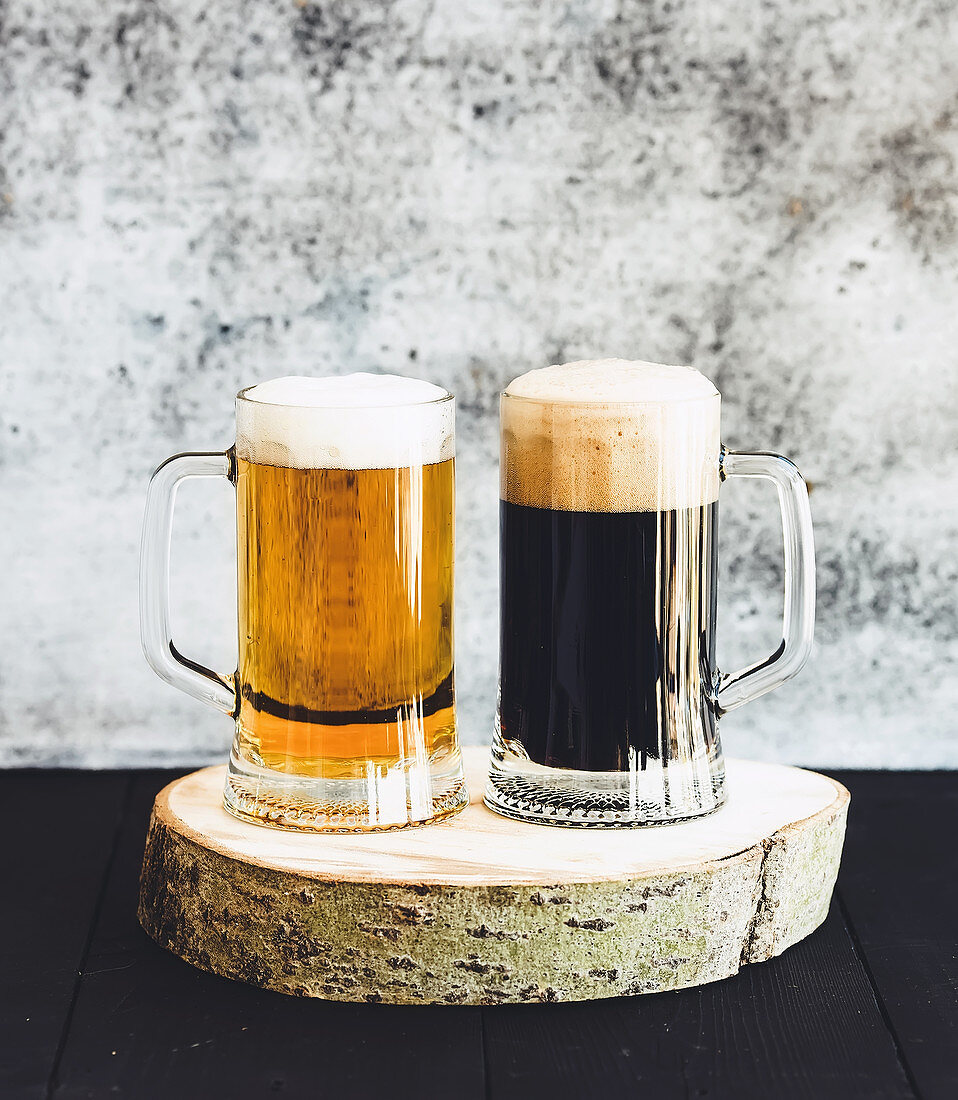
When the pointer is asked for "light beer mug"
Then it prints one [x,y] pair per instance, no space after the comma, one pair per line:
[609,690]
[344,695]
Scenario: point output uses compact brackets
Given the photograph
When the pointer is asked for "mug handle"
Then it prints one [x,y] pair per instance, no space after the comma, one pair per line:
[798,624]
[164,658]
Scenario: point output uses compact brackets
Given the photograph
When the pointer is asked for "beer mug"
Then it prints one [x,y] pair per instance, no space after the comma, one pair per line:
[609,690]
[344,695]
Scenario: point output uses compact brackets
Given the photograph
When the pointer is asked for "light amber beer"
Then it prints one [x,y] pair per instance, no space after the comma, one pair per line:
[345,616]
[345,537]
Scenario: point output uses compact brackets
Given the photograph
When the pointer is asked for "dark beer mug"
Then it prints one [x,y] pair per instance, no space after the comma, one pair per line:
[609,690]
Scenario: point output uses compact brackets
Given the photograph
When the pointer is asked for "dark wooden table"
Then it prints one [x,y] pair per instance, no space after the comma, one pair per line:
[89,1006]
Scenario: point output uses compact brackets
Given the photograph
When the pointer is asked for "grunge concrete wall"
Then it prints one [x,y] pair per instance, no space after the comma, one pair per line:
[194,197]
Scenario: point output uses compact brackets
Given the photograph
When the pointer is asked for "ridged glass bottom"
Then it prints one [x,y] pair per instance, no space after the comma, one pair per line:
[405,794]
[658,794]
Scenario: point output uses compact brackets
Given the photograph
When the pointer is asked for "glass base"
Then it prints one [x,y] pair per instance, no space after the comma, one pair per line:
[658,794]
[405,794]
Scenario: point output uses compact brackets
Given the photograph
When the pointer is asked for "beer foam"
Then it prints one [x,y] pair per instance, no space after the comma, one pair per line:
[349,422]
[610,435]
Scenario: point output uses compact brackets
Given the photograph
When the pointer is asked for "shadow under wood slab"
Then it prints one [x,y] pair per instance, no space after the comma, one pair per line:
[481,909]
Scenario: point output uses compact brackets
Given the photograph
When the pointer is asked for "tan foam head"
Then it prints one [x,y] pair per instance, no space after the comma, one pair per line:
[348,422]
[610,435]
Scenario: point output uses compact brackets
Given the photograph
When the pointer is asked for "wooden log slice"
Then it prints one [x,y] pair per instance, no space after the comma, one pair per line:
[480,909]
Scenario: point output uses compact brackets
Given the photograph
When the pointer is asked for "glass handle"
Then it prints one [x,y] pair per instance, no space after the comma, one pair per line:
[798,622]
[170,665]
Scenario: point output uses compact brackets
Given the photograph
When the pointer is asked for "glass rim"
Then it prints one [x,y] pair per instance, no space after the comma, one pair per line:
[586,404]
[243,395]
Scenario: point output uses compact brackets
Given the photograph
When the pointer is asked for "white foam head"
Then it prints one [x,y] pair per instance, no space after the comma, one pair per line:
[350,422]
[610,435]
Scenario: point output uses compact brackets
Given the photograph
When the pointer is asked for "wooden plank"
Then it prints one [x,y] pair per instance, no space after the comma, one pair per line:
[803,1025]
[147,1025]
[899,889]
[59,829]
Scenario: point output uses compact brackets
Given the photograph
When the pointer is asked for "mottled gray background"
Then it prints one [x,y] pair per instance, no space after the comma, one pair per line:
[199,196]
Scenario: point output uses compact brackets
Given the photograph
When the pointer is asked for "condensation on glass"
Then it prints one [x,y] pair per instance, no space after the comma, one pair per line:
[609,689]
[344,694]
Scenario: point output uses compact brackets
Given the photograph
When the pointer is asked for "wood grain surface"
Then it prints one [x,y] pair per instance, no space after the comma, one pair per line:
[864,1008]
[480,848]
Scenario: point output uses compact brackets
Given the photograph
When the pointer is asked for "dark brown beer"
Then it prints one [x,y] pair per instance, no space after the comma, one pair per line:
[607,634]
[609,482]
